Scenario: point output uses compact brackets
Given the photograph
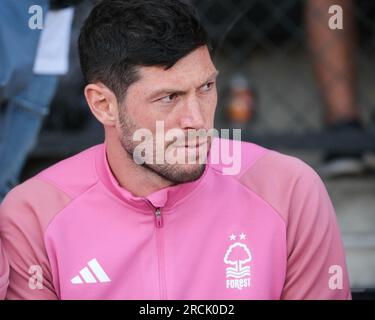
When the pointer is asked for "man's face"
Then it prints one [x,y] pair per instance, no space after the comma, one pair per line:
[183,97]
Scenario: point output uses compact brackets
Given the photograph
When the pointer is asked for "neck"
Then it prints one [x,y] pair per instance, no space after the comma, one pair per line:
[137,179]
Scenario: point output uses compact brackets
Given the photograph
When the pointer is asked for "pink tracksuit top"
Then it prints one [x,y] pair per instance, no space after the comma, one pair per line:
[268,232]
[4,273]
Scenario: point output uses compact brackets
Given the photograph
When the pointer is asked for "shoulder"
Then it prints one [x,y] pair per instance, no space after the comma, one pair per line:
[246,156]
[279,179]
[75,174]
[37,200]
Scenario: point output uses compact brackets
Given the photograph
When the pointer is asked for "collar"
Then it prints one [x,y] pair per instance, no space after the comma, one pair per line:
[166,198]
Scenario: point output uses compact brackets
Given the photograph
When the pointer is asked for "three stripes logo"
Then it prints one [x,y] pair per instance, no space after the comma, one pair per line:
[93,273]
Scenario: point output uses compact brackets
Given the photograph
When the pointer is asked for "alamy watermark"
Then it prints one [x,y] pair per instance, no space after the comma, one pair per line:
[335,281]
[336,21]
[36,18]
[178,147]
[36,278]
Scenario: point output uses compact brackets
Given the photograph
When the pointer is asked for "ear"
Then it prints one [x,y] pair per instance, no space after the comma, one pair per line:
[102,102]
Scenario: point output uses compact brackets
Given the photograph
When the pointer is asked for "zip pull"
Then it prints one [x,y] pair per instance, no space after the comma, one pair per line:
[159,219]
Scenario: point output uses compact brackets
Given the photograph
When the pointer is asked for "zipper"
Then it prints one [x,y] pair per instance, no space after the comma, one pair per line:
[160,253]
[158,218]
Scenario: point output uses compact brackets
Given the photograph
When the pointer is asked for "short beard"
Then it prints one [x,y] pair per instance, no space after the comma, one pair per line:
[177,173]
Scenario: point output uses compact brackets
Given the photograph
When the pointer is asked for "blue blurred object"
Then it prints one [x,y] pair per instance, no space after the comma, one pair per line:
[18,45]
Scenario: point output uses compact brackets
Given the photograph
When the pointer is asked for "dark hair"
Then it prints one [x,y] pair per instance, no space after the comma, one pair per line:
[121,35]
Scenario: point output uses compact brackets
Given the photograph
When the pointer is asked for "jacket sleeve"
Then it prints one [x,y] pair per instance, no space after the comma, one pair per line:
[22,226]
[316,266]
[4,273]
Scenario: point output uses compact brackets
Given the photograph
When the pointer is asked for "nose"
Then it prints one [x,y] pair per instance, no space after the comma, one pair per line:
[191,115]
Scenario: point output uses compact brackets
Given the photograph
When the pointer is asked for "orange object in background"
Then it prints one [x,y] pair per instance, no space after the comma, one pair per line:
[241,106]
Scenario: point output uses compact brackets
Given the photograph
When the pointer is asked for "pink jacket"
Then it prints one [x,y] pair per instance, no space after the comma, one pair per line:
[4,273]
[269,232]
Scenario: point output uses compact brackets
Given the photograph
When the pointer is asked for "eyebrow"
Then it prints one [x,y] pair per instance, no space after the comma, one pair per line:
[168,91]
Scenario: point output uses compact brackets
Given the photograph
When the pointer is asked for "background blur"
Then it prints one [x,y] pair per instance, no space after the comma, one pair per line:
[273,63]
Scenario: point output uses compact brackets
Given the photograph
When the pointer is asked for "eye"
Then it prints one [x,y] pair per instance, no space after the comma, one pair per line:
[208,86]
[169,99]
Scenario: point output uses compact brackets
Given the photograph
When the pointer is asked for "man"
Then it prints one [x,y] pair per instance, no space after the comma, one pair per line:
[105,225]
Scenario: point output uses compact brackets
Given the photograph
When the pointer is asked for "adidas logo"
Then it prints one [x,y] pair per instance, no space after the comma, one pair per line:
[94,273]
